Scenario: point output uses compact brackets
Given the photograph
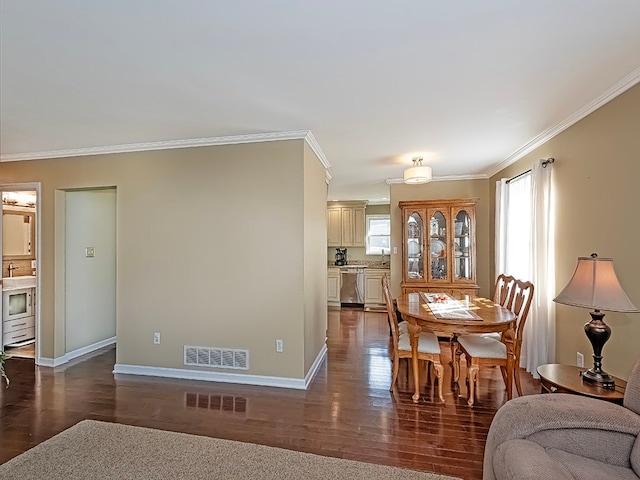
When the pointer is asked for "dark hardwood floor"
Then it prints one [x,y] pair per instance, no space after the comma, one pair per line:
[347,412]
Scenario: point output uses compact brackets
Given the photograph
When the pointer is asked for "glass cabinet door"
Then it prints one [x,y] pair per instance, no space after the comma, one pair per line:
[415,242]
[463,248]
[438,246]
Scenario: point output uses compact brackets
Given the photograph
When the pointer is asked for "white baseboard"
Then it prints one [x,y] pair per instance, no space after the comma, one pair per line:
[225,377]
[315,366]
[189,374]
[55,362]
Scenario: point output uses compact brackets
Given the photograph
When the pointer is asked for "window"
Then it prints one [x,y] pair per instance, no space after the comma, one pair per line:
[378,234]
[524,249]
[518,221]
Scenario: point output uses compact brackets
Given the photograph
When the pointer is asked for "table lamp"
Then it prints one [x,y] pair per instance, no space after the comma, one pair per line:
[594,285]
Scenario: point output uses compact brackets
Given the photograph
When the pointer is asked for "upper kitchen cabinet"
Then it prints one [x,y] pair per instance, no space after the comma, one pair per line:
[346,224]
[439,246]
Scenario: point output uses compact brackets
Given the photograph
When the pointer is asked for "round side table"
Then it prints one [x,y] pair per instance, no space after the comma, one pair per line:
[556,378]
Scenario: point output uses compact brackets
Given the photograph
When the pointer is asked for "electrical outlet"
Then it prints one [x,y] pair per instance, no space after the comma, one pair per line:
[89,252]
[279,346]
[156,338]
[579,359]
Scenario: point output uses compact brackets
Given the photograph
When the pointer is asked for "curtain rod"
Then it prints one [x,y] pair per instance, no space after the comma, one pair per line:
[544,165]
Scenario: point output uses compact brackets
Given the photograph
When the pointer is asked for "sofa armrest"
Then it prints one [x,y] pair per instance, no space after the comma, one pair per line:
[560,414]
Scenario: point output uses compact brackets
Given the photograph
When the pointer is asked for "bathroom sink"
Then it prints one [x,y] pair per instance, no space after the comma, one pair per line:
[13,283]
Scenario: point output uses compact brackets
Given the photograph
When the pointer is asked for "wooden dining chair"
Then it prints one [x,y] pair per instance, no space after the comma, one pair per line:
[504,286]
[428,345]
[501,295]
[480,350]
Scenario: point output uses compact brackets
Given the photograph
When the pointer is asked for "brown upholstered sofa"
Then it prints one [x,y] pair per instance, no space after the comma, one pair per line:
[561,436]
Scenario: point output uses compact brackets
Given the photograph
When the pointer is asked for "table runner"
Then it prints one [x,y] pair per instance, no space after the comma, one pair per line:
[443,306]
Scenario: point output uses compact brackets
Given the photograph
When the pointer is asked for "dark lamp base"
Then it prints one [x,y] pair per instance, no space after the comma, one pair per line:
[601,379]
[598,333]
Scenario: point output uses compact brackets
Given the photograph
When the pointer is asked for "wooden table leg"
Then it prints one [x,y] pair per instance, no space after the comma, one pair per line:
[455,359]
[414,335]
[472,379]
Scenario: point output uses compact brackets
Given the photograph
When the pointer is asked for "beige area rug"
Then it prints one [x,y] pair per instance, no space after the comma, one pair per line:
[99,450]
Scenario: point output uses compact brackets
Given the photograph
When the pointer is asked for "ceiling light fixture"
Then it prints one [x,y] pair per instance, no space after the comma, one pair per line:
[417,173]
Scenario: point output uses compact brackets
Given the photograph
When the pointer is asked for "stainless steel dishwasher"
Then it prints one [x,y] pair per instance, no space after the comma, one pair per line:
[352,289]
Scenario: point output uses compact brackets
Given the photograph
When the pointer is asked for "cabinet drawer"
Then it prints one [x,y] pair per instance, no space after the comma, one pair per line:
[18,324]
[19,336]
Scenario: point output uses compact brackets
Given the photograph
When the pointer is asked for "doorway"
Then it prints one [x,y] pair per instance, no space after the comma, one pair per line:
[90,270]
[20,246]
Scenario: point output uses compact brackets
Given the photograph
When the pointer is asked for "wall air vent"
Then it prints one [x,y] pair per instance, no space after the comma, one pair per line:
[216,357]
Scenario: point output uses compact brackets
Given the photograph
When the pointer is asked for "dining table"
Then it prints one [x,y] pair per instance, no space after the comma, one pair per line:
[449,315]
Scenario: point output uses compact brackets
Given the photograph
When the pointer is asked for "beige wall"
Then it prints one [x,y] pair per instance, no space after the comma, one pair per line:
[315,259]
[201,237]
[478,189]
[596,175]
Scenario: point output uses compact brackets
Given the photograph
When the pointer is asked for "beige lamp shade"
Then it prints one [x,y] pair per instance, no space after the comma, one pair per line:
[418,173]
[594,285]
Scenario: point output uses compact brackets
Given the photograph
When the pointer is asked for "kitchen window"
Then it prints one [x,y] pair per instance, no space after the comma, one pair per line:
[378,234]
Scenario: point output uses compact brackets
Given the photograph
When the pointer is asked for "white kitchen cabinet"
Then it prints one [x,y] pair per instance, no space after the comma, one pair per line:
[333,287]
[373,297]
[334,227]
[346,224]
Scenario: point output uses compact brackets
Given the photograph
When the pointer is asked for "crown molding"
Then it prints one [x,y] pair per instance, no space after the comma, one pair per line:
[327,176]
[618,88]
[315,146]
[169,144]
[444,178]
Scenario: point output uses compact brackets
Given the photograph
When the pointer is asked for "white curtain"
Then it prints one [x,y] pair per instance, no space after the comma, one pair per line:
[501,230]
[539,340]
[518,228]
[524,249]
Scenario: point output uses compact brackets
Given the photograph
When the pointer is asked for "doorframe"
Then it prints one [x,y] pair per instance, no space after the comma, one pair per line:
[37,187]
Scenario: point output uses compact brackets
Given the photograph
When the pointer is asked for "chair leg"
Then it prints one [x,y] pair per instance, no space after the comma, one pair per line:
[516,374]
[440,374]
[431,376]
[503,371]
[394,375]
[509,382]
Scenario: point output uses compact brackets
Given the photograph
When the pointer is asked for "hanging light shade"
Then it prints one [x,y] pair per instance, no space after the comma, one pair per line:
[417,173]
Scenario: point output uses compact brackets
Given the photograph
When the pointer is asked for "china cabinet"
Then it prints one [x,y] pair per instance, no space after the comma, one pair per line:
[439,246]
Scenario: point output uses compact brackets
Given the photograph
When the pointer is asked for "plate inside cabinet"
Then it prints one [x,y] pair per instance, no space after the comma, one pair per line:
[437,247]
[413,247]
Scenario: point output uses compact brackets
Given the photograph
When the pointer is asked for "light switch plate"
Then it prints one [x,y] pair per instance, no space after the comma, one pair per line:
[89,252]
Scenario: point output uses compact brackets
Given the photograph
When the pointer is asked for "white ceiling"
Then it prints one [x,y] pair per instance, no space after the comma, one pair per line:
[463,83]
